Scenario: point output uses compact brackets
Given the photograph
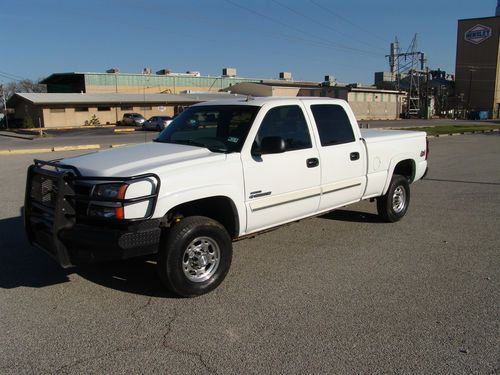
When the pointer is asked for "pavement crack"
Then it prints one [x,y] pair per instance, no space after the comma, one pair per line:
[166,344]
[68,367]
[135,313]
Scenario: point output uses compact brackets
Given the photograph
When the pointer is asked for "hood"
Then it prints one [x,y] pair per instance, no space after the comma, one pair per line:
[137,159]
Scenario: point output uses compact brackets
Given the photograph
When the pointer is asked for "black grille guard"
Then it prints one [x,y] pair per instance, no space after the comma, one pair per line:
[44,223]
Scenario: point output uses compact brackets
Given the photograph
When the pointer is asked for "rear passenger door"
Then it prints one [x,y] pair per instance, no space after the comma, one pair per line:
[284,186]
[341,153]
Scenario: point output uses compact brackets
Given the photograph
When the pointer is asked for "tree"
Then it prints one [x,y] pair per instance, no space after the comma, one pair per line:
[24,85]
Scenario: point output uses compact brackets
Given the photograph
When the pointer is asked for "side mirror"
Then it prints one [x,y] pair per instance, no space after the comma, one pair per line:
[272,145]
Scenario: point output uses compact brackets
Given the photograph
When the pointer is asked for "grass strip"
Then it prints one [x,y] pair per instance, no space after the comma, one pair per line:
[454,129]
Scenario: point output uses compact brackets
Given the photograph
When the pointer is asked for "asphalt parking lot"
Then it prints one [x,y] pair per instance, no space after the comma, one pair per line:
[338,294]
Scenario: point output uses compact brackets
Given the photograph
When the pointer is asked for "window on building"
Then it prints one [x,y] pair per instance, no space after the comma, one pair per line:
[81,109]
[333,124]
[126,108]
[103,109]
[57,110]
[289,123]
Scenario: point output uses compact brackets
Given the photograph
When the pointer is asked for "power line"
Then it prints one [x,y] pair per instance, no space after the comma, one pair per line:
[325,41]
[10,76]
[325,25]
[369,32]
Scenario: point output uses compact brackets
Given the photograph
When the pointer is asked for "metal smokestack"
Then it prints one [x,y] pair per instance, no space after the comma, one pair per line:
[497,12]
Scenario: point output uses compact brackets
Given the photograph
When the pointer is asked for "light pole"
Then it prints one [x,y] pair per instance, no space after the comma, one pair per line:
[471,70]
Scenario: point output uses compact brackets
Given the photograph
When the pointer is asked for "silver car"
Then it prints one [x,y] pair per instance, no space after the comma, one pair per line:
[132,119]
[157,123]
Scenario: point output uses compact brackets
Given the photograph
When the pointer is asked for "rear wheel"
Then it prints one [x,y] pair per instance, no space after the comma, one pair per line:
[393,205]
[194,256]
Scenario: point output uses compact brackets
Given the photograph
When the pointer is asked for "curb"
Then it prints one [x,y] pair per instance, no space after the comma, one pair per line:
[58,149]
[15,135]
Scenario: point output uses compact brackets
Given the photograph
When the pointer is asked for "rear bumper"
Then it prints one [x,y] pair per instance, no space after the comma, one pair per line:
[425,173]
[421,170]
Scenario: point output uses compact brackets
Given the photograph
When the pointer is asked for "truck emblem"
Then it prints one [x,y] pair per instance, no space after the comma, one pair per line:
[477,34]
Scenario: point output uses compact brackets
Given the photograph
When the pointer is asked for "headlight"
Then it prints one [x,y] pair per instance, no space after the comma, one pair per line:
[114,191]
[110,210]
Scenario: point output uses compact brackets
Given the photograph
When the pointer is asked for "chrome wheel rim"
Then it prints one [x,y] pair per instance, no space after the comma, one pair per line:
[201,259]
[399,199]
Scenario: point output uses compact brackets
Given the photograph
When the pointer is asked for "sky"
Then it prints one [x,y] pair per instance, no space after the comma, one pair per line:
[260,38]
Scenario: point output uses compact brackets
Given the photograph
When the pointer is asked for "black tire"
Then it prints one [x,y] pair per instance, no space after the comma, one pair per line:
[194,240]
[392,206]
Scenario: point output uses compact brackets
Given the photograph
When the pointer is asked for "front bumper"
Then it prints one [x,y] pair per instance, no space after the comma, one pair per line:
[56,222]
[93,243]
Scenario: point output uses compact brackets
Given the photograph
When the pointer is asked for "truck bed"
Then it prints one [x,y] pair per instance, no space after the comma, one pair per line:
[384,149]
[380,135]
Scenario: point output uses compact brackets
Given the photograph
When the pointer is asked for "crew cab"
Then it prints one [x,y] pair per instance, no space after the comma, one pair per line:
[221,171]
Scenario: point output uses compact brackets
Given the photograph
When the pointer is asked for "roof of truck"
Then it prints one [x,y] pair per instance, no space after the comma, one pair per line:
[260,101]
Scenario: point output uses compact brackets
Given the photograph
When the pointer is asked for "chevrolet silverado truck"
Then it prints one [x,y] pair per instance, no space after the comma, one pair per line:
[221,171]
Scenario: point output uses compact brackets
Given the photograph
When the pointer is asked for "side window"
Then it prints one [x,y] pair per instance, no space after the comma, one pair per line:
[287,122]
[333,124]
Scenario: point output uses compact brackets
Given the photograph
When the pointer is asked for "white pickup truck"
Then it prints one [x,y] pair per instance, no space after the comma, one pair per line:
[221,171]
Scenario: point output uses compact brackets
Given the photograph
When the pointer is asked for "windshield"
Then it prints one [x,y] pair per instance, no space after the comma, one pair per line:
[220,128]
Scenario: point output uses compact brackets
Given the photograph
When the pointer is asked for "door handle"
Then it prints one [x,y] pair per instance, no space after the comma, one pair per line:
[354,156]
[312,162]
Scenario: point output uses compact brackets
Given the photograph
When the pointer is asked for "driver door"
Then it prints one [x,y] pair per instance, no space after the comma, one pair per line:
[281,185]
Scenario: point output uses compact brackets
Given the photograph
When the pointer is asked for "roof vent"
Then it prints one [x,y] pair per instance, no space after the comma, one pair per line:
[329,81]
[229,72]
[287,76]
[163,72]
[113,70]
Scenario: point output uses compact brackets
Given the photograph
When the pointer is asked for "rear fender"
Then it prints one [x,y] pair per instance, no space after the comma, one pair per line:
[392,166]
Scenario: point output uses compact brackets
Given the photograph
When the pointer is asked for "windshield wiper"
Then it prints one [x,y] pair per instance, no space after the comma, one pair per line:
[189,142]
[218,149]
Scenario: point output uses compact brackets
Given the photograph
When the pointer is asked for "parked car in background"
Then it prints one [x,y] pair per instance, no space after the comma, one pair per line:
[156,123]
[132,119]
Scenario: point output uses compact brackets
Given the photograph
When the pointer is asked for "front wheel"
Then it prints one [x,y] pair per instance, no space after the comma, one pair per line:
[393,205]
[194,256]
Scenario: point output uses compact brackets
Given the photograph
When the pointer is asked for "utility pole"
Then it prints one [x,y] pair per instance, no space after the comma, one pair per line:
[404,65]
[2,93]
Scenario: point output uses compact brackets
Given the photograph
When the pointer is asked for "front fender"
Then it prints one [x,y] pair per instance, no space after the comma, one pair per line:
[167,202]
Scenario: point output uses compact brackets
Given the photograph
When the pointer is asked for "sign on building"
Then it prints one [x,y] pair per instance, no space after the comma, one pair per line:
[478,34]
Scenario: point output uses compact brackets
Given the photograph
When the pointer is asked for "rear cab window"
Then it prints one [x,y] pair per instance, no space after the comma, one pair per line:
[333,124]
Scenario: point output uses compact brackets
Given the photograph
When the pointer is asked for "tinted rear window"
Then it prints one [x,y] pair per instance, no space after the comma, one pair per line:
[333,124]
